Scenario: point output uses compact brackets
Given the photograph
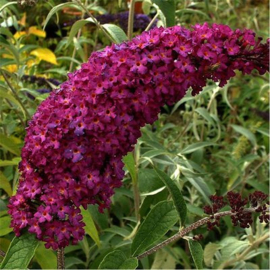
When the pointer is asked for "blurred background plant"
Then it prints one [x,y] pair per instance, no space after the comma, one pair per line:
[212,143]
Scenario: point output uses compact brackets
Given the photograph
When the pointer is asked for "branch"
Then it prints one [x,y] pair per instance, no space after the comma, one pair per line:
[60,259]
[131,19]
[187,230]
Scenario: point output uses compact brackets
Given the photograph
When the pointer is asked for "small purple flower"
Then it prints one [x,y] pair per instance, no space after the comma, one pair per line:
[205,53]
[232,47]
[43,214]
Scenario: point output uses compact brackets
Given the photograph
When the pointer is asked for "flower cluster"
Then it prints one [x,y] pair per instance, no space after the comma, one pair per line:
[240,214]
[75,142]
[141,21]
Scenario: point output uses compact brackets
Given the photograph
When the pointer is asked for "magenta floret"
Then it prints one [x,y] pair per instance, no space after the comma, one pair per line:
[78,136]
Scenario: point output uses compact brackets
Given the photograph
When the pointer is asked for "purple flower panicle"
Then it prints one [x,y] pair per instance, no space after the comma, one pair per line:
[75,142]
[241,215]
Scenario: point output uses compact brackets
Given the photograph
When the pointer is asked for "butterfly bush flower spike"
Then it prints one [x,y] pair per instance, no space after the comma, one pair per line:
[75,142]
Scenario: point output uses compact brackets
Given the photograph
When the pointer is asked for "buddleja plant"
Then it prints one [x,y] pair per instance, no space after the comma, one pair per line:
[77,138]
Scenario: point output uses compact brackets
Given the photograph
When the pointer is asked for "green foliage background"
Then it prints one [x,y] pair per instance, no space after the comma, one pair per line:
[209,144]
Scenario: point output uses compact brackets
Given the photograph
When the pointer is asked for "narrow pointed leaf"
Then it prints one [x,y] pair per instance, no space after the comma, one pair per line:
[8,95]
[196,253]
[176,194]
[46,258]
[5,225]
[245,132]
[157,223]
[130,165]
[117,34]
[202,187]
[56,9]
[168,9]
[8,4]
[20,252]
[9,145]
[205,114]
[90,227]
[118,260]
[14,161]
[75,28]
[4,184]
[195,146]
[148,181]
[209,253]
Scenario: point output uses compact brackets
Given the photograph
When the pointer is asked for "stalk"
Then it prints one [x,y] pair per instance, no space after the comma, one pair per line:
[60,258]
[187,230]
[131,19]
[136,192]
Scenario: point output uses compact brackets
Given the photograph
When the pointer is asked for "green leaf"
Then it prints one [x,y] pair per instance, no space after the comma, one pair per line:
[8,4]
[176,194]
[101,219]
[263,131]
[224,93]
[6,62]
[20,252]
[192,11]
[4,184]
[181,101]
[161,16]
[157,223]
[46,258]
[164,260]
[205,114]
[118,260]
[195,210]
[168,9]
[148,181]
[118,230]
[117,34]
[196,253]
[12,49]
[231,246]
[55,9]
[130,165]
[8,144]
[146,5]
[152,200]
[79,49]
[70,262]
[257,185]
[10,97]
[201,186]
[75,28]
[209,252]
[195,146]
[245,132]
[5,225]
[154,153]
[14,161]
[90,227]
